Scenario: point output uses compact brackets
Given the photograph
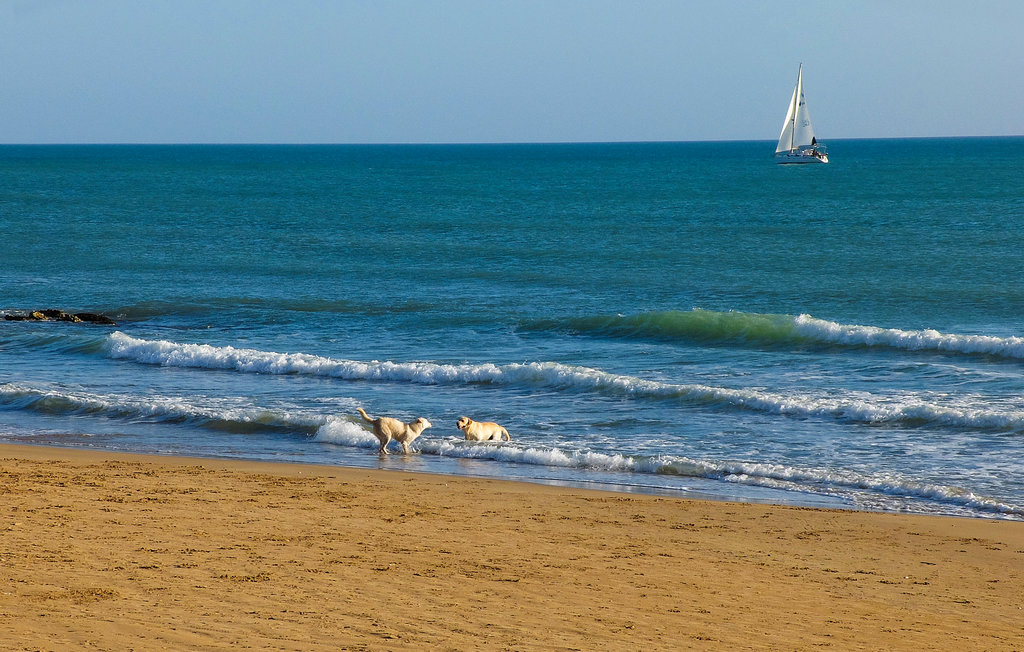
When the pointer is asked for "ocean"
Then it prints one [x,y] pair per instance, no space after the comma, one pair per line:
[687,319]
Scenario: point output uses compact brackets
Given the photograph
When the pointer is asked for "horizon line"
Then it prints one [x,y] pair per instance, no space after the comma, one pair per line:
[467,143]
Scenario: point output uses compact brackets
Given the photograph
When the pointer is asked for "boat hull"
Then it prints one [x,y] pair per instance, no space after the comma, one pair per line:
[800,158]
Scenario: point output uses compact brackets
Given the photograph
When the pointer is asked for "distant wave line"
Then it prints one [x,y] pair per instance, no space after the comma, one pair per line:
[159,308]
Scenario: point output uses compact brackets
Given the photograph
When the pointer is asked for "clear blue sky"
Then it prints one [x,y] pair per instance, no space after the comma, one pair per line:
[412,71]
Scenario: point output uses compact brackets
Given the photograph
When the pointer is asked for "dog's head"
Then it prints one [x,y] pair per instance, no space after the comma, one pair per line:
[463,422]
[424,424]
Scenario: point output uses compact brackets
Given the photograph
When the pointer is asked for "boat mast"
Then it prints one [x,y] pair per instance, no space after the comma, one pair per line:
[796,106]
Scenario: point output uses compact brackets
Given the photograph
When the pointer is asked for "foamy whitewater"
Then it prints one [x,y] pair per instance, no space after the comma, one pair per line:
[686,319]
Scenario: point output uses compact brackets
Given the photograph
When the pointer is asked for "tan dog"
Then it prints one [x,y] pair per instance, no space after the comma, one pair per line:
[482,430]
[387,429]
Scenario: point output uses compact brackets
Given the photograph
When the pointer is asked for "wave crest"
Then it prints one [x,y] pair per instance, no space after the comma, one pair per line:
[697,324]
[909,340]
[224,415]
[784,330]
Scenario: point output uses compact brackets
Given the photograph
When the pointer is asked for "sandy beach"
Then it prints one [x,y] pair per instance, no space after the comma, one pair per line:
[122,552]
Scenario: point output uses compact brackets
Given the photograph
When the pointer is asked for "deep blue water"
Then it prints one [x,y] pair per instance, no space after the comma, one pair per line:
[680,317]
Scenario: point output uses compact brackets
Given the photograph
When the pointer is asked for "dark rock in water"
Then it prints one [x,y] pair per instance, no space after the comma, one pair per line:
[58,315]
[51,314]
[95,318]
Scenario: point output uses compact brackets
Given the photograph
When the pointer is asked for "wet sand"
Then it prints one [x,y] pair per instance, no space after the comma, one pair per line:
[124,552]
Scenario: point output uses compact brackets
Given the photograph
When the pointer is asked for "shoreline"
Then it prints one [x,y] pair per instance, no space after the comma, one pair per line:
[138,551]
[435,464]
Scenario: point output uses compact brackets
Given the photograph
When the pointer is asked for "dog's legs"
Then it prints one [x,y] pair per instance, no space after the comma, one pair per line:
[384,441]
[405,447]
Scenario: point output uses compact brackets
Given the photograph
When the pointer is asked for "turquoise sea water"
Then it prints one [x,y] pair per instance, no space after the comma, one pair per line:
[687,318]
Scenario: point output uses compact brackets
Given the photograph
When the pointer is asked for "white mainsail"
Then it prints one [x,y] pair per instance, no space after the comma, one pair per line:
[797,131]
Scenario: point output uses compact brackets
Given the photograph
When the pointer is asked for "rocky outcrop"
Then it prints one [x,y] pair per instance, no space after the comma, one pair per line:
[60,315]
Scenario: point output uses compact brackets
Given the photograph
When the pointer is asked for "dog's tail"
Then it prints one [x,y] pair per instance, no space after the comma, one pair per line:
[505,433]
[366,417]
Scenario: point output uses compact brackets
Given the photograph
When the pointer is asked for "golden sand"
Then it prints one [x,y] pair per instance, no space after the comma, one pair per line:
[123,552]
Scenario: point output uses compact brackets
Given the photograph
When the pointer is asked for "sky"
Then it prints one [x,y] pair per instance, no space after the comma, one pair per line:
[471,71]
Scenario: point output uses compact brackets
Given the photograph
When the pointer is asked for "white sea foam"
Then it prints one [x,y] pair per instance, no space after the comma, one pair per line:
[862,408]
[833,481]
[911,340]
[220,410]
[345,433]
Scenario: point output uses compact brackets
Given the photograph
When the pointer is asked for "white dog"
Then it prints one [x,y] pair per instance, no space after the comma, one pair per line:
[482,430]
[387,429]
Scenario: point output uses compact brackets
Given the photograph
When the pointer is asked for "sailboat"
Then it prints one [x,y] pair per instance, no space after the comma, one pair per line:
[797,143]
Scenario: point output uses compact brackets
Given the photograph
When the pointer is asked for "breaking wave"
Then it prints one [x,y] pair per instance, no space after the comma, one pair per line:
[905,409]
[910,340]
[231,415]
[785,330]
